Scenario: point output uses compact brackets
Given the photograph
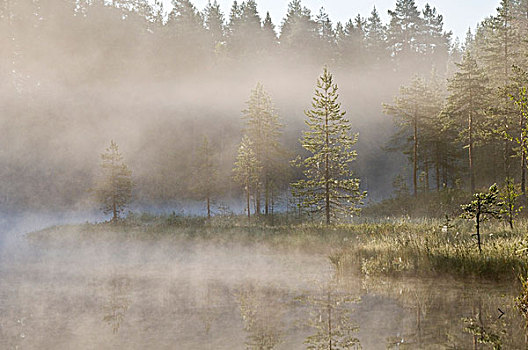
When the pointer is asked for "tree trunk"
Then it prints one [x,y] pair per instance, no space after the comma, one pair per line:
[523,154]
[327,170]
[208,207]
[478,229]
[257,200]
[470,153]
[266,197]
[415,154]
[248,207]
[426,164]
[114,208]
[437,168]
[329,323]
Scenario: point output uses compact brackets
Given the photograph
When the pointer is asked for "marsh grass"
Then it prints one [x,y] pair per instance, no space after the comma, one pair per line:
[389,246]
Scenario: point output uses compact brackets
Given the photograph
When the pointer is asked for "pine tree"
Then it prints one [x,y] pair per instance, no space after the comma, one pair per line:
[467,104]
[205,174]
[326,34]
[520,99]
[264,129]
[499,51]
[485,205]
[268,28]
[404,28]
[375,37]
[298,29]
[434,41]
[408,111]
[509,195]
[214,22]
[329,185]
[114,189]
[246,169]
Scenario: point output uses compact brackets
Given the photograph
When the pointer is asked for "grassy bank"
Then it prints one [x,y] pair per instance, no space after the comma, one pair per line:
[389,247]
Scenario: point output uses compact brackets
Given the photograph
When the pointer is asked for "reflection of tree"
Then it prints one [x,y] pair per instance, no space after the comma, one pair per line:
[118,302]
[209,312]
[330,317]
[485,330]
[448,313]
[262,312]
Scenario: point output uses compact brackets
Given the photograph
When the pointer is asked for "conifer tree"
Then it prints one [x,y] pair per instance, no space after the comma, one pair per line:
[298,29]
[467,103]
[329,186]
[404,28]
[264,129]
[520,99]
[435,42]
[409,114]
[205,174]
[484,206]
[214,22]
[268,28]
[246,169]
[114,189]
[509,195]
[375,37]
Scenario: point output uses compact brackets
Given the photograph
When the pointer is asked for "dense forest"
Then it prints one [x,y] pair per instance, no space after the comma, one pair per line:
[173,86]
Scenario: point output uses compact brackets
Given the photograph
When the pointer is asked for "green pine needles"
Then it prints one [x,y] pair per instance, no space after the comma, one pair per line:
[329,187]
[114,188]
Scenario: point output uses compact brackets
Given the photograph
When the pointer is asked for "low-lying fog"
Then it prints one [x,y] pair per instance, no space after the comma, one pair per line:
[195,295]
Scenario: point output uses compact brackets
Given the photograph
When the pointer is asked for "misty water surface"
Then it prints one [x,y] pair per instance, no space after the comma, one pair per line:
[196,295]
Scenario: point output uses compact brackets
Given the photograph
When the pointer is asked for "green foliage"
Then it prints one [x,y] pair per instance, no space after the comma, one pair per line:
[262,314]
[329,187]
[466,105]
[521,302]
[509,195]
[247,168]
[484,206]
[264,129]
[205,174]
[114,188]
[330,317]
[482,335]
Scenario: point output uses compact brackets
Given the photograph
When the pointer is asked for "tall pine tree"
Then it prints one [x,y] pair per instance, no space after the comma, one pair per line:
[329,186]
[467,105]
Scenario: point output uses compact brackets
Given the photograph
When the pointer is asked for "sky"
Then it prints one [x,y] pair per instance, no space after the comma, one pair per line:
[459,15]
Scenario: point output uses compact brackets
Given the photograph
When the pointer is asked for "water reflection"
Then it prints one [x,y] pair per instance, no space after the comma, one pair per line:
[240,298]
[262,310]
[118,302]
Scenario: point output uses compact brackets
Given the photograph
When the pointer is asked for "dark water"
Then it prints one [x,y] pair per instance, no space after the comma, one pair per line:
[198,296]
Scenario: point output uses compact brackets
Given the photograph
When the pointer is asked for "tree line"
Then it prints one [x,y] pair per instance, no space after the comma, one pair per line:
[49,75]
[468,129]
[186,37]
[328,187]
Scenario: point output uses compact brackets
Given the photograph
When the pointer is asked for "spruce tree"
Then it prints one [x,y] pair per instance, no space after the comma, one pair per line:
[329,186]
[298,29]
[264,129]
[435,43]
[205,174]
[246,169]
[375,37]
[404,28]
[114,188]
[409,114]
[467,104]
[214,22]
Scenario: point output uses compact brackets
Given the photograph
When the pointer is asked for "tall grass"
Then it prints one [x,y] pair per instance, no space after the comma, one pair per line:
[388,246]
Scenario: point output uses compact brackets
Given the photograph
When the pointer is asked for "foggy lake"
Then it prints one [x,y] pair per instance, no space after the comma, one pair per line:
[199,295]
[191,174]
